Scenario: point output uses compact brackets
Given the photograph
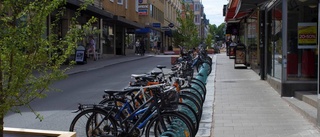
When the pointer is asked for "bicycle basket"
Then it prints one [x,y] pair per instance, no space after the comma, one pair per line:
[170,99]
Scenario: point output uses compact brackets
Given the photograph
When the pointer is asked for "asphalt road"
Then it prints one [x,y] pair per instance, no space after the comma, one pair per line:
[86,87]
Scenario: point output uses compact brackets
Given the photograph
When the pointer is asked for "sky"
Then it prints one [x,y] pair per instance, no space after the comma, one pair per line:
[213,10]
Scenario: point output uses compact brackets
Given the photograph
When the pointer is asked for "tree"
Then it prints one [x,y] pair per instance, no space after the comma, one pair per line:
[29,62]
[187,34]
[217,31]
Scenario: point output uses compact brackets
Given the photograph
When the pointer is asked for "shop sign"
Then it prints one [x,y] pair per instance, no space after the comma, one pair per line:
[240,54]
[156,25]
[165,28]
[171,25]
[143,6]
[143,12]
[307,35]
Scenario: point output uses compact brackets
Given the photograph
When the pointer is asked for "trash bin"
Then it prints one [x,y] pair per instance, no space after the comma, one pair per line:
[80,55]
[240,56]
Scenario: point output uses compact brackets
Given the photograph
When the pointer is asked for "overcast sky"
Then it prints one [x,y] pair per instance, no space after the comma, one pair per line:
[213,10]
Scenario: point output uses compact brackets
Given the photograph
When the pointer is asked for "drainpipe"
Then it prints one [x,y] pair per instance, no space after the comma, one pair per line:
[318,108]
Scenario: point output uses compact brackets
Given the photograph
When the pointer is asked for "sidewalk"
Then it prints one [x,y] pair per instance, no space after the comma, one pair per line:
[107,60]
[245,106]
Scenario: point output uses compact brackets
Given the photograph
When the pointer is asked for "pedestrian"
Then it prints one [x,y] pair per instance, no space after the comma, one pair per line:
[158,47]
[142,47]
[137,46]
[92,47]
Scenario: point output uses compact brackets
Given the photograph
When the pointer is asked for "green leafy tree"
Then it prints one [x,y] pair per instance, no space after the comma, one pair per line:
[208,40]
[28,60]
[217,31]
[187,34]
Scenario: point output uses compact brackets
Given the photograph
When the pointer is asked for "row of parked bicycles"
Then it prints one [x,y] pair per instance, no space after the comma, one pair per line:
[156,104]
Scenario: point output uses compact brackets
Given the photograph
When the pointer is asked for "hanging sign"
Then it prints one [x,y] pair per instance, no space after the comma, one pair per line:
[307,35]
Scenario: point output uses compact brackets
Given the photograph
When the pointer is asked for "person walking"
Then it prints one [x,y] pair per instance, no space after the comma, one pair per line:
[92,47]
[137,46]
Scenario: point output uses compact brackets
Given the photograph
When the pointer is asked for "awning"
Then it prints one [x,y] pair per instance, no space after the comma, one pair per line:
[94,10]
[231,9]
[125,22]
[249,5]
[241,8]
[143,31]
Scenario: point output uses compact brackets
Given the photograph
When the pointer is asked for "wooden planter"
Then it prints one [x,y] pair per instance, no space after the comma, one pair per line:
[20,132]
[173,59]
[176,51]
[210,51]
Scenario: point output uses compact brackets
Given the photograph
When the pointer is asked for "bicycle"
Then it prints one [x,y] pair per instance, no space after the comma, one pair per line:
[155,111]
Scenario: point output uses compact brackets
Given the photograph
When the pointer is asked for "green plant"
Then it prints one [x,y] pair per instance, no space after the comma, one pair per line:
[187,34]
[29,62]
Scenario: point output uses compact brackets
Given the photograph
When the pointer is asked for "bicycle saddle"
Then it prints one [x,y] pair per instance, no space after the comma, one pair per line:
[120,92]
[161,66]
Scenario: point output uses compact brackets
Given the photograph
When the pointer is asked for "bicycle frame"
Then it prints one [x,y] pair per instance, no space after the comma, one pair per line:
[147,112]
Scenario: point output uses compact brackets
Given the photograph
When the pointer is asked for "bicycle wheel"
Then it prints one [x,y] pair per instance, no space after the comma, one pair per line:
[192,95]
[202,64]
[198,81]
[198,86]
[174,123]
[189,112]
[94,122]
[186,99]
[195,91]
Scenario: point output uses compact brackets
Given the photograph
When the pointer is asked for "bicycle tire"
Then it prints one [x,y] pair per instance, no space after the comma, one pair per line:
[199,81]
[200,64]
[190,101]
[203,89]
[196,91]
[171,121]
[191,113]
[82,122]
[193,95]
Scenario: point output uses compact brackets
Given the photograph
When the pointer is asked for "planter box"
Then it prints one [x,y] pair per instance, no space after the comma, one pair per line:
[22,132]
[210,51]
[176,51]
[173,59]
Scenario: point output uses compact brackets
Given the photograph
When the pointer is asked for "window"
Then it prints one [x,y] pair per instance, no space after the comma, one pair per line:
[111,0]
[126,4]
[137,5]
[196,7]
[274,42]
[120,1]
[197,19]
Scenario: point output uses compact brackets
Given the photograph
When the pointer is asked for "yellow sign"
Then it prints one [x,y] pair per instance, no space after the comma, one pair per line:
[307,35]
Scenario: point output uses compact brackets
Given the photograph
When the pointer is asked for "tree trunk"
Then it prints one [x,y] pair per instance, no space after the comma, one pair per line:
[1,125]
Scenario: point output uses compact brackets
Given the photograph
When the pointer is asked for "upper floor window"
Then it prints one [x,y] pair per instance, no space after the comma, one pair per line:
[137,5]
[197,7]
[126,4]
[120,1]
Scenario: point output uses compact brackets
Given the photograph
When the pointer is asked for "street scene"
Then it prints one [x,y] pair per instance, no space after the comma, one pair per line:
[159,68]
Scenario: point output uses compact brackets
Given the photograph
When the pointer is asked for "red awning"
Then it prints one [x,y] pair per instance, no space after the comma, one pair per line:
[231,10]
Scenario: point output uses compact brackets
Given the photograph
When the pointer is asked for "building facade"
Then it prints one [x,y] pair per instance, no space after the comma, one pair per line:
[116,19]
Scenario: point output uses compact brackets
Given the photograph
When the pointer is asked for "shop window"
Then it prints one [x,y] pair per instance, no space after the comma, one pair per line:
[252,42]
[274,42]
[302,41]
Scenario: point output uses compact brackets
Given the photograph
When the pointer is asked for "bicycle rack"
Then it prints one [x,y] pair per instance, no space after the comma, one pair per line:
[201,76]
